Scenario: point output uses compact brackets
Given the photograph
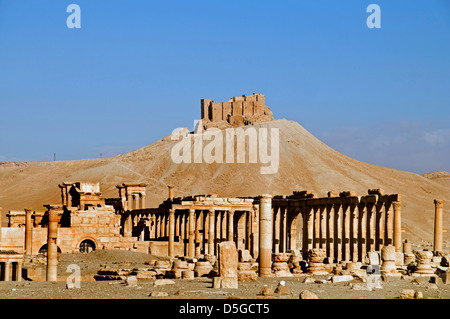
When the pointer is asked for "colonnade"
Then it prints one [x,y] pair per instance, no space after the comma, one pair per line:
[345,226]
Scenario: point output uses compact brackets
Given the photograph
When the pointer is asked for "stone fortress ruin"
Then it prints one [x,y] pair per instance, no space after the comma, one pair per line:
[229,238]
[238,111]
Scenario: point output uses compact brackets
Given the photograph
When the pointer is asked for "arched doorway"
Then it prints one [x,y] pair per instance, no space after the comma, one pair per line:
[43,250]
[86,246]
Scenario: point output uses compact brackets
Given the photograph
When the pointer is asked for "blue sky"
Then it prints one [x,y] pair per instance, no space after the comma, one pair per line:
[138,69]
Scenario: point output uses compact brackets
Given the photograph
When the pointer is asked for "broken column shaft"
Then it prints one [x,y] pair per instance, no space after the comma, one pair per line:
[438,207]
[52,248]
[265,235]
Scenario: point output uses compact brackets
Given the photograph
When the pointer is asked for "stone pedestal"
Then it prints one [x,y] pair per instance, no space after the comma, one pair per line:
[316,257]
[388,254]
[281,269]
[228,266]
[423,259]
[202,268]
[246,272]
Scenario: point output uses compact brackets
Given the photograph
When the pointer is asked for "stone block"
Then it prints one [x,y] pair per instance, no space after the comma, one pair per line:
[187,274]
[372,258]
[159,294]
[163,282]
[225,282]
[131,281]
[344,278]
[228,259]
[306,294]
[247,275]
[407,294]
[267,291]
[282,289]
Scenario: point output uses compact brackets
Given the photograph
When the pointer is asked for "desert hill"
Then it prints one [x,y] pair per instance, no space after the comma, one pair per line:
[305,163]
[440,177]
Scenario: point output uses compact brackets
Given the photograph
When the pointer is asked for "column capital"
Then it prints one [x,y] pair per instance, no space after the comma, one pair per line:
[28,210]
[231,211]
[172,211]
[211,211]
[397,205]
[439,203]
[191,211]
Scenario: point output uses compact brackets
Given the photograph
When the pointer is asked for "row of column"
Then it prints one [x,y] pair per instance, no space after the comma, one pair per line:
[136,201]
[348,231]
[10,270]
[201,231]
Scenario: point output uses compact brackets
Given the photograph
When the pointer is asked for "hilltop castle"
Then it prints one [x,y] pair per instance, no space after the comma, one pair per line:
[238,111]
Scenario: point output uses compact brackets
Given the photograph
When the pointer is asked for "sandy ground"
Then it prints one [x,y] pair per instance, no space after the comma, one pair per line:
[201,288]
[198,288]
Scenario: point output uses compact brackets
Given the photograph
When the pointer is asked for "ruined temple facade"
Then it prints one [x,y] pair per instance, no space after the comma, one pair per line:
[238,111]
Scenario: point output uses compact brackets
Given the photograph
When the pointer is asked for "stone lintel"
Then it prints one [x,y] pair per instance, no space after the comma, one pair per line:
[369,199]
[395,198]
[350,200]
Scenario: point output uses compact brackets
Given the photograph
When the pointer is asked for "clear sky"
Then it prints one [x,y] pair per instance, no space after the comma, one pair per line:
[136,70]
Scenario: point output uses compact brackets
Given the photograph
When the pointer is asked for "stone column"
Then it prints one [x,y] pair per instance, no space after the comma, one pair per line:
[224,227]
[397,226]
[277,213]
[310,228]
[171,232]
[52,248]
[159,232]
[28,231]
[255,231]
[379,232]
[128,226]
[293,229]
[265,235]
[388,240]
[230,236]
[346,235]
[316,227]
[19,271]
[362,208]
[330,232]
[191,245]
[200,238]
[248,229]
[323,226]
[438,207]
[206,232]
[142,204]
[211,232]
[7,271]
[170,192]
[371,225]
[354,225]
[339,234]
[218,237]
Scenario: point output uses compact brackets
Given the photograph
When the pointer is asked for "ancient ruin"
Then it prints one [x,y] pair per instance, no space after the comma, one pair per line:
[238,111]
[340,237]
